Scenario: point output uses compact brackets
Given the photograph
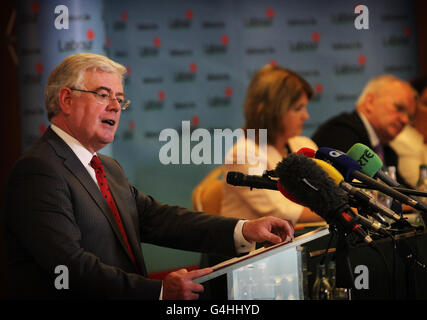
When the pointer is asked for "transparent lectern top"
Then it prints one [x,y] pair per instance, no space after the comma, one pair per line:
[262,253]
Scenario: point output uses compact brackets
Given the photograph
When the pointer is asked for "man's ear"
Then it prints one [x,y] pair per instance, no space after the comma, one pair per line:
[65,100]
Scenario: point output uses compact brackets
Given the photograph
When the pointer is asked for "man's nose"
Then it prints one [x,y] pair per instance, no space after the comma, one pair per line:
[404,118]
[114,105]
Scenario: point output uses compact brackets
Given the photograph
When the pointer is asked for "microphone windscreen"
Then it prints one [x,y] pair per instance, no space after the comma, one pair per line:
[311,186]
[308,152]
[368,160]
[342,162]
[330,170]
[286,193]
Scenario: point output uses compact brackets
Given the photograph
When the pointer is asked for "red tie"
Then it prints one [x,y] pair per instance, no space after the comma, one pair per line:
[96,164]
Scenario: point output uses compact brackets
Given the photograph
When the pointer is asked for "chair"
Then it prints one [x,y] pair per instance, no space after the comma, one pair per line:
[207,195]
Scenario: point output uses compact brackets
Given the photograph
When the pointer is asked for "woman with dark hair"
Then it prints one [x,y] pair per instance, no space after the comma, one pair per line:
[276,100]
[411,143]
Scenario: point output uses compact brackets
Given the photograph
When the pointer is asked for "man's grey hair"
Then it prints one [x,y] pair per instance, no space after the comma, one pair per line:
[375,86]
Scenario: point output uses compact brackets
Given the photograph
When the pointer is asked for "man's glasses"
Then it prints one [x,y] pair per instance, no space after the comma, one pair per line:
[105,98]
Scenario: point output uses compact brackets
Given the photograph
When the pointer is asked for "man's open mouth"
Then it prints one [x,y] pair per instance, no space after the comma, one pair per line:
[110,122]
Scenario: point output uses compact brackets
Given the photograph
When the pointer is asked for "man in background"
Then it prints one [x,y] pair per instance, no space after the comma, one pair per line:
[383,109]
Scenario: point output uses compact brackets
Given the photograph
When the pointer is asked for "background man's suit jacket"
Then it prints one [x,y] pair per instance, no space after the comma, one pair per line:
[56,215]
[344,130]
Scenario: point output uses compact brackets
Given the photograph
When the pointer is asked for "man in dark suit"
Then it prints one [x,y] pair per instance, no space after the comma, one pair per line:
[383,109]
[71,209]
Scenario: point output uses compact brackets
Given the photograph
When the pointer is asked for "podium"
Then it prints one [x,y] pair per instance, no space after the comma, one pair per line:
[269,273]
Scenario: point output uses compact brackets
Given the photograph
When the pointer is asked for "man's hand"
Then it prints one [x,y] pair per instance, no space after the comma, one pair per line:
[270,229]
[178,285]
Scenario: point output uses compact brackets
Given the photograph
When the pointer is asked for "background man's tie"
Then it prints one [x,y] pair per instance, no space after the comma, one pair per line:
[379,150]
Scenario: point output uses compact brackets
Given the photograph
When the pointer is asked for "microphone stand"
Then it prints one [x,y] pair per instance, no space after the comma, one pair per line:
[396,206]
[405,191]
[344,270]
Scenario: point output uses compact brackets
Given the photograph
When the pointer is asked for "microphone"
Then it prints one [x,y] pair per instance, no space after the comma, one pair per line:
[371,165]
[287,194]
[350,169]
[240,179]
[335,176]
[375,226]
[269,173]
[308,152]
[360,195]
[259,182]
[313,188]
[356,193]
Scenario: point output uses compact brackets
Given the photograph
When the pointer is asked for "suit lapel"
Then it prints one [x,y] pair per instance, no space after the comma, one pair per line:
[360,127]
[74,165]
